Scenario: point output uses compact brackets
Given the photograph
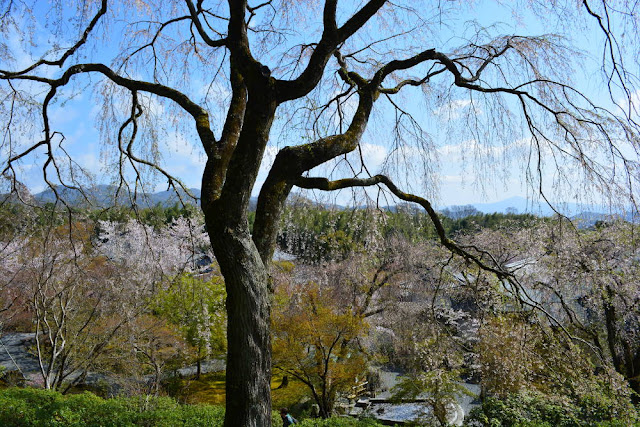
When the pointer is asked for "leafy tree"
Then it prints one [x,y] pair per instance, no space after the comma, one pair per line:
[321,85]
[314,341]
[71,293]
[32,407]
[593,277]
[535,409]
[315,234]
[156,346]
[158,216]
[547,330]
[509,362]
[459,212]
[196,306]
[435,373]
[79,292]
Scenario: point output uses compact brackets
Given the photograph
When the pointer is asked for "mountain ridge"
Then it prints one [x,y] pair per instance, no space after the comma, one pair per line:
[102,196]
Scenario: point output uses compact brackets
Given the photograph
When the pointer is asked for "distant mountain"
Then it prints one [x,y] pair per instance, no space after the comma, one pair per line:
[102,196]
[170,197]
[589,219]
[522,205]
[515,204]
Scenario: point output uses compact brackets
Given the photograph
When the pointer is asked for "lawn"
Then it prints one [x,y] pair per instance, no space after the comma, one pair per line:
[210,389]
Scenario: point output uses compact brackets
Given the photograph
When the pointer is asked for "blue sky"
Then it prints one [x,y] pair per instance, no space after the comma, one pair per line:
[454,171]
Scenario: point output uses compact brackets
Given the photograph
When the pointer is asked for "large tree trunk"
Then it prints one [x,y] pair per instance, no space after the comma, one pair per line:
[248,378]
[249,344]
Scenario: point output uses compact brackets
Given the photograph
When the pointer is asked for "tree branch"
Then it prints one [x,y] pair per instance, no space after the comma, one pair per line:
[291,162]
[331,38]
[326,185]
[199,114]
[198,24]
[60,62]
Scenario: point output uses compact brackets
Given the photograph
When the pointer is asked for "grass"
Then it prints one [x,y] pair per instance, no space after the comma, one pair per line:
[287,396]
[210,389]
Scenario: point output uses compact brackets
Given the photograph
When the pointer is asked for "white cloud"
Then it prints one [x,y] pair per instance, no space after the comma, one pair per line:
[451,179]
[455,109]
[215,90]
[89,161]
[374,156]
[178,145]
[183,159]
[471,148]
[28,42]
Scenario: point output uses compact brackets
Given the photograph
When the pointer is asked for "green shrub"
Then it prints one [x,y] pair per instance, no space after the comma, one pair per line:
[32,407]
[21,407]
[536,410]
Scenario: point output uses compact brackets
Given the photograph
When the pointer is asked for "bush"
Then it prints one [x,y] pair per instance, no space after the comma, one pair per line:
[32,407]
[536,410]
[21,407]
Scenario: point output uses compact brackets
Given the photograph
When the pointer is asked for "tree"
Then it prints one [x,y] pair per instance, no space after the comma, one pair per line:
[566,327]
[196,306]
[459,212]
[71,294]
[322,86]
[314,341]
[593,278]
[436,373]
[155,346]
[80,290]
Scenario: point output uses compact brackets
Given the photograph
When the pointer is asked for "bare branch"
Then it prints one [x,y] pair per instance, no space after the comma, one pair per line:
[60,62]
[326,185]
[331,38]
[198,24]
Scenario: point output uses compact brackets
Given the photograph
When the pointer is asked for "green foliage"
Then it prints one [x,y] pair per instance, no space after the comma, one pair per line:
[45,408]
[316,234]
[120,214]
[19,218]
[312,341]
[440,385]
[533,409]
[32,407]
[289,396]
[208,389]
[493,221]
[312,233]
[196,307]
[434,370]
[156,216]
